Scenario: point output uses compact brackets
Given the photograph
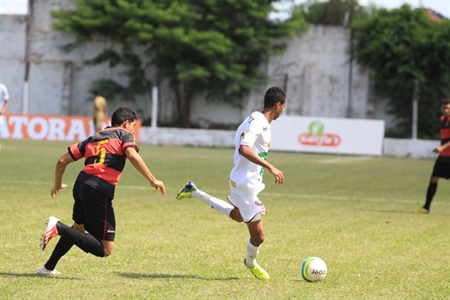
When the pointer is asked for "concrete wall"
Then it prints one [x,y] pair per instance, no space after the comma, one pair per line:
[316,72]
[12,58]
[314,69]
[410,148]
[317,77]
[59,80]
[417,149]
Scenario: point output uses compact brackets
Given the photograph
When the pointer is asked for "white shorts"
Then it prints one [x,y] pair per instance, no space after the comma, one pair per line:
[248,204]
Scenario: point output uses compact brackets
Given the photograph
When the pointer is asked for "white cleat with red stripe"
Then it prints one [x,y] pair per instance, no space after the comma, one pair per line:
[50,231]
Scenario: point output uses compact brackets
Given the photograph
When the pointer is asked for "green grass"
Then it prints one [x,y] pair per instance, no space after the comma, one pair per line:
[353,212]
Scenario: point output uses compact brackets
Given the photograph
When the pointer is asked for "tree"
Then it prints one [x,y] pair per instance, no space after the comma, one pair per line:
[333,12]
[401,46]
[205,47]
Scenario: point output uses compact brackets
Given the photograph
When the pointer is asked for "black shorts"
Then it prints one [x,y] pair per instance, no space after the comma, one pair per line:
[94,209]
[441,169]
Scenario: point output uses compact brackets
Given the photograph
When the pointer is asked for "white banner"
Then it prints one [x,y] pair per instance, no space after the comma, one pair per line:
[51,128]
[328,135]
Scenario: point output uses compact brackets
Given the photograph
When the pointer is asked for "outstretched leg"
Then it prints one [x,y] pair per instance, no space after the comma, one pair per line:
[191,191]
[70,236]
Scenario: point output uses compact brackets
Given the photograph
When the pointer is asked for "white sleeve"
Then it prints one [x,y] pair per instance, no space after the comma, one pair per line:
[5,93]
[252,133]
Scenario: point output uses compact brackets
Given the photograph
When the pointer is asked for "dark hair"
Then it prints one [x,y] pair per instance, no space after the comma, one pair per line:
[273,96]
[446,101]
[122,114]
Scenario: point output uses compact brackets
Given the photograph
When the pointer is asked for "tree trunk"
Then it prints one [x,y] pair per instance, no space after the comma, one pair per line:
[186,112]
[183,101]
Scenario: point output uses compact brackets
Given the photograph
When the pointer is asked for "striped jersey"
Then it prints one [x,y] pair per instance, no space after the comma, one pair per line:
[104,158]
[445,137]
[254,132]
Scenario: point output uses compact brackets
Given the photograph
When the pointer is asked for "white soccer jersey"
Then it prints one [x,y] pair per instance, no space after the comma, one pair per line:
[3,95]
[254,132]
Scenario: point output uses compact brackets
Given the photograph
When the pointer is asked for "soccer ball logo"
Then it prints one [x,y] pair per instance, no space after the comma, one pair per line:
[314,269]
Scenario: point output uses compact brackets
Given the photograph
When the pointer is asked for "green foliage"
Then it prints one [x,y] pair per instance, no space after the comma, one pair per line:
[374,247]
[400,46]
[208,47]
[333,12]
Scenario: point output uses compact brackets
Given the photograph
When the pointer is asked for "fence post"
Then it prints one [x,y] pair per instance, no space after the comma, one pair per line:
[415,109]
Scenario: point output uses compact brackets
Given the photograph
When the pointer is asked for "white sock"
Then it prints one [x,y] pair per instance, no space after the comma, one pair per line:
[252,253]
[200,195]
[217,204]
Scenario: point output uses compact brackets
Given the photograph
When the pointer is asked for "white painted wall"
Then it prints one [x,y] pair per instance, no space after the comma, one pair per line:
[410,148]
[417,149]
[318,75]
[12,58]
[315,65]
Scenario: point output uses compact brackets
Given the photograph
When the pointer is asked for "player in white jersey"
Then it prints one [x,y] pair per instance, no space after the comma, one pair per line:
[4,103]
[252,142]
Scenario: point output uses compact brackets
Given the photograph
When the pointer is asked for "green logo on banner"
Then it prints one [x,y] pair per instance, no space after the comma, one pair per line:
[316,128]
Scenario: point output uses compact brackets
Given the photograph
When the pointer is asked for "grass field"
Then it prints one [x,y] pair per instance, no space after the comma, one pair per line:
[353,212]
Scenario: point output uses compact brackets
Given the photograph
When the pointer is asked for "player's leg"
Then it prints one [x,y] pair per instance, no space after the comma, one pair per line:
[62,247]
[256,230]
[98,123]
[431,191]
[108,247]
[86,242]
[65,243]
[191,191]
[250,210]
[69,237]
[1,124]
[441,169]
[100,219]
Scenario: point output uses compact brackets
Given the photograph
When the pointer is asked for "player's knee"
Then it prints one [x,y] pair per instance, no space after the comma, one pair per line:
[236,216]
[238,219]
[108,249]
[108,252]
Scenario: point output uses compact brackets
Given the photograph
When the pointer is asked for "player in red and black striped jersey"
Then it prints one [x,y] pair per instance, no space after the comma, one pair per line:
[441,167]
[104,156]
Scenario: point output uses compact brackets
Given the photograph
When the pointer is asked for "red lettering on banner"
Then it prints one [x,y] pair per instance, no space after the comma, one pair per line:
[325,140]
[51,128]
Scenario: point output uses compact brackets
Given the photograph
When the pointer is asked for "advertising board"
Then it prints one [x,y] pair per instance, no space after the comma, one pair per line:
[51,128]
[328,135]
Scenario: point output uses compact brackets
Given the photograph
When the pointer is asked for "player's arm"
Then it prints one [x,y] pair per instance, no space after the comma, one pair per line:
[247,152]
[59,172]
[5,107]
[139,164]
[441,148]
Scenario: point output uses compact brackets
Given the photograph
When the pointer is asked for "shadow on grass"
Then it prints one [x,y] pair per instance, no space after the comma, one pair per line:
[13,275]
[398,211]
[155,276]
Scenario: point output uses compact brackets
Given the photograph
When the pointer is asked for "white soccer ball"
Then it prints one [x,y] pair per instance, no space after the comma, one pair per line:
[314,269]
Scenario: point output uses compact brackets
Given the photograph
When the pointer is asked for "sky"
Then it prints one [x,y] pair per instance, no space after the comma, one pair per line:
[441,6]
